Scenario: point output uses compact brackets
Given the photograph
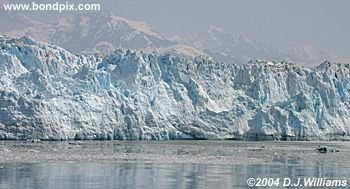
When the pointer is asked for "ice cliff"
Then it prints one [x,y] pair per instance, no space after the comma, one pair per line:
[49,93]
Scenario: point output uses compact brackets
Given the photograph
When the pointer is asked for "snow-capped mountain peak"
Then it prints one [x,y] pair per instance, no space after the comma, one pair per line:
[214,29]
[228,46]
[103,32]
[84,32]
[306,53]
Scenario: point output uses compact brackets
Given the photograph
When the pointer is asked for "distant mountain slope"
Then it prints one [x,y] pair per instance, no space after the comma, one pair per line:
[10,21]
[216,41]
[103,32]
[307,54]
[92,31]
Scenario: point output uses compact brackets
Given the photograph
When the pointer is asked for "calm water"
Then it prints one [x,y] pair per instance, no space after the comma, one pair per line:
[139,175]
[130,173]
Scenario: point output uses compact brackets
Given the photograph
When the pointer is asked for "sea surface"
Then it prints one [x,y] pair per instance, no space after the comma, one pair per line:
[168,164]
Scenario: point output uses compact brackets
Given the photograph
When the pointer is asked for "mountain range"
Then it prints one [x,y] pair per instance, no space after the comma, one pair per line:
[103,32]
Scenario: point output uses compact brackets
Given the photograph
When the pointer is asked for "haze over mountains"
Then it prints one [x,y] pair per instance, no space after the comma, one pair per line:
[103,32]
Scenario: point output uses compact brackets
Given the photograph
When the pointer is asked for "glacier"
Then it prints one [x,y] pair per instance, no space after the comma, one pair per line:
[49,93]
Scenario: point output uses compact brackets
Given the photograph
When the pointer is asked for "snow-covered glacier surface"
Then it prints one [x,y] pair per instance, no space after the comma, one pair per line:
[49,93]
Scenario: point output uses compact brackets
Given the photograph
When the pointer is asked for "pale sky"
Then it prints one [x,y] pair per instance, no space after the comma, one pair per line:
[324,24]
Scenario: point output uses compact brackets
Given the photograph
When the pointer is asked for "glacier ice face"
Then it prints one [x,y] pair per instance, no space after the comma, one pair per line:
[49,93]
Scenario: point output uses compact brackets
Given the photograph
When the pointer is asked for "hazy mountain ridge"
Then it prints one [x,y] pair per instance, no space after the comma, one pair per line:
[103,33]
[11,21]
[226,46]
[48,93]
[83,32]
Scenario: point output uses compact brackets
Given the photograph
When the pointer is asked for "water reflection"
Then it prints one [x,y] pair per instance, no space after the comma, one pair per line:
[149,175]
